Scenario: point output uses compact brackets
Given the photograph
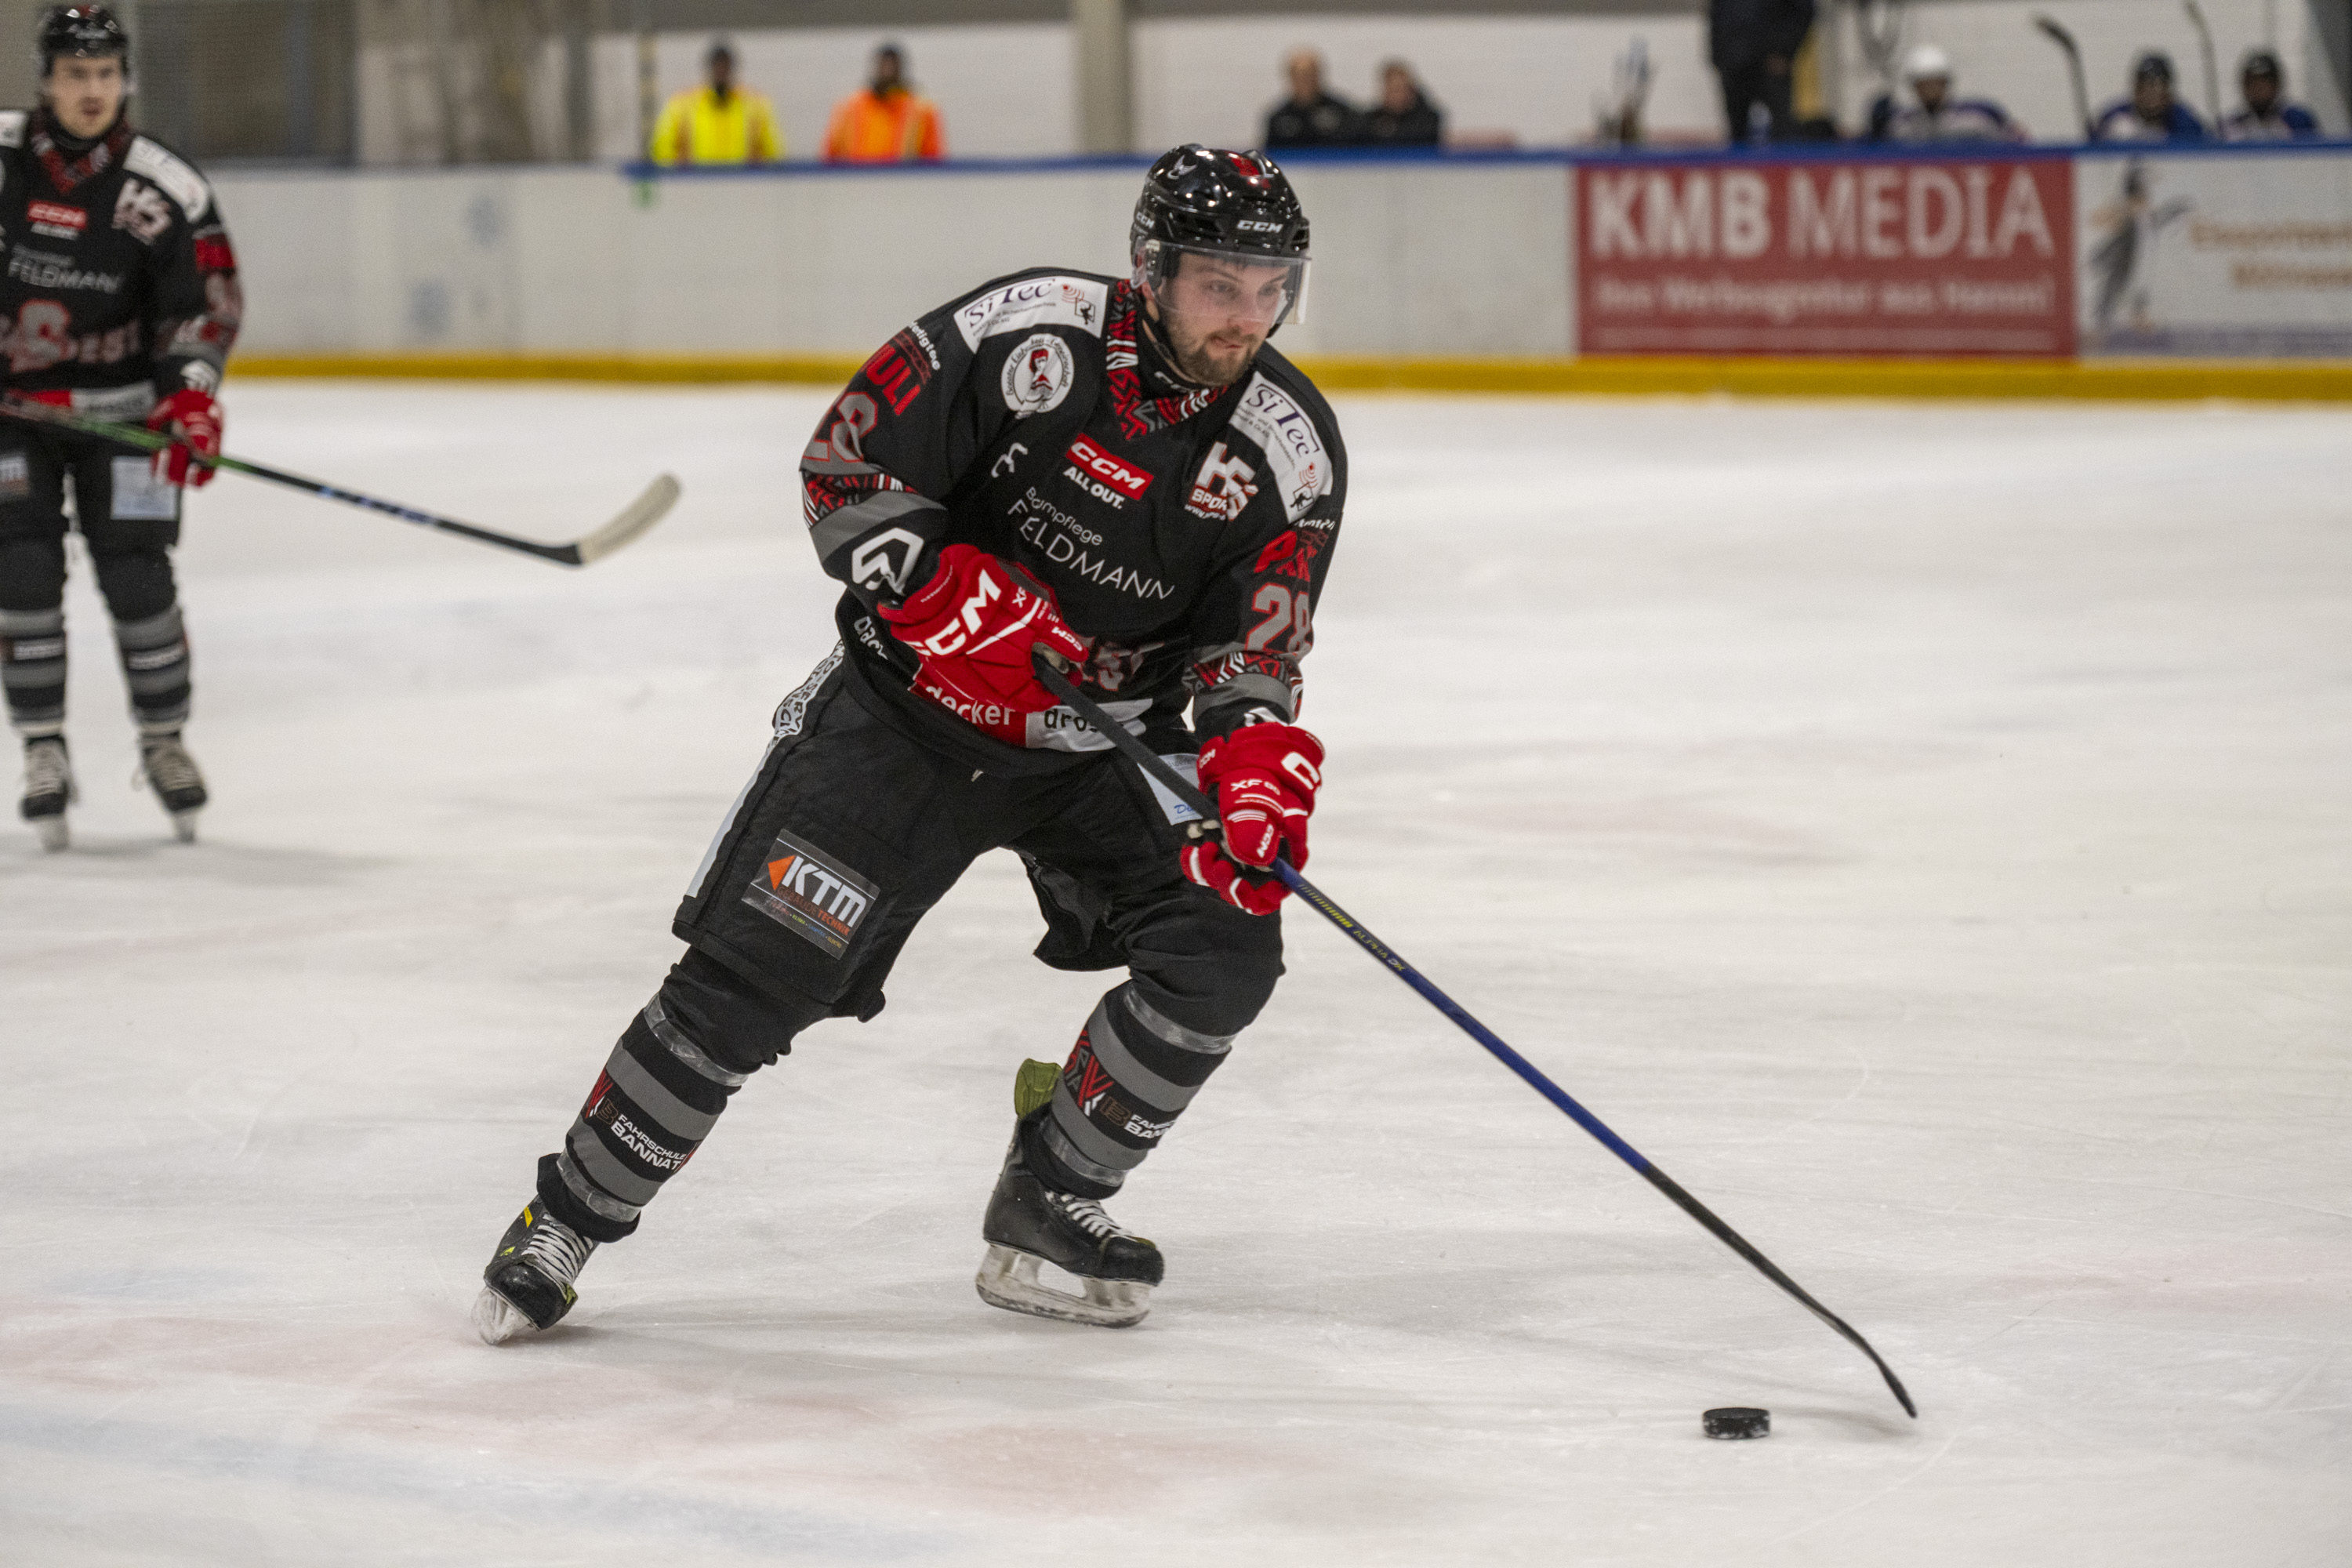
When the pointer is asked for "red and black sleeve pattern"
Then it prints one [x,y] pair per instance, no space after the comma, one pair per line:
[1256,622]
[198,301]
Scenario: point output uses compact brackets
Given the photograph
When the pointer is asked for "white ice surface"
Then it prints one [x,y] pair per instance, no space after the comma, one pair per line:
[1921,829]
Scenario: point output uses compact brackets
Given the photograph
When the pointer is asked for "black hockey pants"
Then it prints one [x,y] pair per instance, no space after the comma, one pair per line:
[849,834]
[130,521]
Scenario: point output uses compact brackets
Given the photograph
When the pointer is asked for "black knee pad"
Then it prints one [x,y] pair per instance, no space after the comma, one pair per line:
[742,1026]
[137,583]
[32,573]
[1203,964]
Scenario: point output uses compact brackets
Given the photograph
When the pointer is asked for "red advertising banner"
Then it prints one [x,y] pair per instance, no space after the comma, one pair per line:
[1958,257]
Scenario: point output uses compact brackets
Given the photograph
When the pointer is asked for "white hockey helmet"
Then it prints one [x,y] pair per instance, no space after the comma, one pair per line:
[1926,60]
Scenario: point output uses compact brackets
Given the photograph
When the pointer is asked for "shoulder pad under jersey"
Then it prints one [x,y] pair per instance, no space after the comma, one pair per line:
[174,175]
[1288,432]
[1038,299]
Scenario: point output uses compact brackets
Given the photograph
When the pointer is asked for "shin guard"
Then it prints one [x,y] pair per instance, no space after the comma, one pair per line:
[33,670]
[154,652]
[1131,1074]
[652,1106]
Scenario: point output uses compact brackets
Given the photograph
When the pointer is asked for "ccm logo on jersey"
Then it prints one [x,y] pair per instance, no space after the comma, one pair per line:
[56,221]
[1103,476]
[809,892]
[1222,486]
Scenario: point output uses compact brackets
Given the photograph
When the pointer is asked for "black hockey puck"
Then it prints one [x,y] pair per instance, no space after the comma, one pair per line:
[1738,1421]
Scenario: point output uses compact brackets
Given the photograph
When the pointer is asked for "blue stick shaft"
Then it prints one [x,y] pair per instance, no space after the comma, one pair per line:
[1184,790]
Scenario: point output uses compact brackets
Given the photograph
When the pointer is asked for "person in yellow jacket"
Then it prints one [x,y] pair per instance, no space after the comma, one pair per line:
[718,122]
[885,122]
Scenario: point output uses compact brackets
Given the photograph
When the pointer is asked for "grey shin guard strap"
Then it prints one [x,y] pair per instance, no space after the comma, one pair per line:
[674,1038]
[596,1163]
[1130,1073]
[592,1197]
[680,1122]
[1058,1143]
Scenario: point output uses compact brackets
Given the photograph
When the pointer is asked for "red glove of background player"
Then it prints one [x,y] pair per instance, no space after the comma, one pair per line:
[192,420]
[973,623]
[1263,778]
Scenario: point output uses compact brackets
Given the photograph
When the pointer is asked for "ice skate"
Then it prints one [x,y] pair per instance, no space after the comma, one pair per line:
[165,766]
[526,1287]
[1029,1224]
[48,790]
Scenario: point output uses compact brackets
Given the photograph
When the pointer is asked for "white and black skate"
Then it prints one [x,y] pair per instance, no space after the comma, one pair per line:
[48,789]
[527,1285]
[165,766]
[1029,1224]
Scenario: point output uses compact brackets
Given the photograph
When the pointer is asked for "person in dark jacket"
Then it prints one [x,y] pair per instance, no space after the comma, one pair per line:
[1404,116]
[1753,44]
[1309,117]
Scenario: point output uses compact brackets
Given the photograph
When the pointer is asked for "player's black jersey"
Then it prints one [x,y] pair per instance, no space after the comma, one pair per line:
[118,286]
[1186,530]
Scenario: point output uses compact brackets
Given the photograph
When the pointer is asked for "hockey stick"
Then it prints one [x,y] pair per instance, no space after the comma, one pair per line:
[633,520]
[1175,784]
[2212,71]
[2065,40]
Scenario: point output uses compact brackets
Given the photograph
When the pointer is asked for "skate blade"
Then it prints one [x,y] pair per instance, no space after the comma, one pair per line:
[1008,1279]
[55,835]
[184,825]
[497,1319]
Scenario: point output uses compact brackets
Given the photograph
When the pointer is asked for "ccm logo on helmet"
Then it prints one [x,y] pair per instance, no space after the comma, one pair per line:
[1256,225]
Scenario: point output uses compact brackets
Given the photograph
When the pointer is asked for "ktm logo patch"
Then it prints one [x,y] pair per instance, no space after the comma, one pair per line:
[812,894]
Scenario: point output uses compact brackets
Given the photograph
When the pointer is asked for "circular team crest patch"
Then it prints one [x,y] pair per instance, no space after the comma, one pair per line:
[1038,373]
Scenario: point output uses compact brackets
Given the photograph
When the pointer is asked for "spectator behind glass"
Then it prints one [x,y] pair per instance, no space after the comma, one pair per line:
[2150,113]
[1753,44]
[1934,114]
[718,122]
[2268,116]
[885,121]
[1310,117]
[1404,116]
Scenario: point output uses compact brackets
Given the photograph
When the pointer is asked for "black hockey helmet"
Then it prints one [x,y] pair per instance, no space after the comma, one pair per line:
[2261,62]
[1209,201]
[86,32]
[2153,63]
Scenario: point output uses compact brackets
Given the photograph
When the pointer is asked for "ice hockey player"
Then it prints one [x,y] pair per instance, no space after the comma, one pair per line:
[2151,113]
[119,302]
[2268,116]
[1123,471]
[1935,114]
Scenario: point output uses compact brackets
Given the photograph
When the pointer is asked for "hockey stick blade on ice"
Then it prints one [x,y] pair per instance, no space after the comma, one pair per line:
[1183,790]
[634,519]
[2059,35]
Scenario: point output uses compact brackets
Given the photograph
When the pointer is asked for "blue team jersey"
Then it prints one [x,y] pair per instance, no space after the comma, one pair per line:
[2121,123]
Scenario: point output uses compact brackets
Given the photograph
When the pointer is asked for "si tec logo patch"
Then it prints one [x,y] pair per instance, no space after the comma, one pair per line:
[812,894]
[55,220]
[1103,476]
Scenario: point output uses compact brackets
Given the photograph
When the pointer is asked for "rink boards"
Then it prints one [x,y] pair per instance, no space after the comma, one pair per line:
[2096,271]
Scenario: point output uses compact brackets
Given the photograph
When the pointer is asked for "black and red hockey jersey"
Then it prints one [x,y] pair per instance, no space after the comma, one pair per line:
[1186,530]
[119,285]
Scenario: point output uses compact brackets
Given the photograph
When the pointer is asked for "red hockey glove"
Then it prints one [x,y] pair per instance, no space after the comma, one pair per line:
[1262,779]
[973,624]
[192,420]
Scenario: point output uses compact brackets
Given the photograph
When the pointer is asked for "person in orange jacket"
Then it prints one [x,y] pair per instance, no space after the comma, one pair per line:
[720,121]
[887,121]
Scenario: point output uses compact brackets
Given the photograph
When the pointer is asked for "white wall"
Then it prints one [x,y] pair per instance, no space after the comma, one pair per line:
[1412,260]
[2000,54]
